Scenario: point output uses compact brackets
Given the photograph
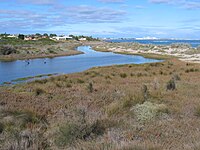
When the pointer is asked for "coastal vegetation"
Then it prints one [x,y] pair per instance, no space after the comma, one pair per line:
[12,48]
[147,106]
[179,50]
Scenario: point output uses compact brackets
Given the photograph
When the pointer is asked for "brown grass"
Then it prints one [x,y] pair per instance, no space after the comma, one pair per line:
[120,103]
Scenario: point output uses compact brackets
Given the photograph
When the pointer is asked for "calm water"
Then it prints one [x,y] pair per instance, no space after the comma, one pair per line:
[193,43]
[66,64]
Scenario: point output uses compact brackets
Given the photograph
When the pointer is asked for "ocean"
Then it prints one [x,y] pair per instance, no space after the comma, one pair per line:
[193,43]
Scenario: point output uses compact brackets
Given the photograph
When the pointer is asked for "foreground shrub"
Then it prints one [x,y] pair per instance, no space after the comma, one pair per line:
[123,75]
[117,107]
[171,85]
[191,70]
[148,111]
[197,111]
[1,127]
[22,118]
[90,87]
[71,132]
[176,77]
[39,91]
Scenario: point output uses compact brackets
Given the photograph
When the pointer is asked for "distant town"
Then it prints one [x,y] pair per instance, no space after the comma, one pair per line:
[38,36]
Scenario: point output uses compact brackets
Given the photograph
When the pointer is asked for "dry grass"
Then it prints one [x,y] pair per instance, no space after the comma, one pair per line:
[135,111]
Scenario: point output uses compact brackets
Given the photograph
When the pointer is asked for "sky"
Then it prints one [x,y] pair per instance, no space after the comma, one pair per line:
[103,18]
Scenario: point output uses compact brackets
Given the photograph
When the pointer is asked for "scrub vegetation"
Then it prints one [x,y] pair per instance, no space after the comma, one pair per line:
[123,107]
[13,49]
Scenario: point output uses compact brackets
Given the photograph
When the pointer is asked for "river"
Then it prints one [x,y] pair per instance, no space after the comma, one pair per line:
[10,71]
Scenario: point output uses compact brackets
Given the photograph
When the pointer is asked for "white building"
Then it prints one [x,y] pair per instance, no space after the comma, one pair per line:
[12,36]
[82,39]
[62,38]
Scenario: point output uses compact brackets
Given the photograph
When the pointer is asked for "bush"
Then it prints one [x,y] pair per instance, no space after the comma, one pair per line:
[67,134]
[191,70]
[80,81]
[197,111]
[7,50]
[71,132]
[176,77]
[123,75]
[1,127]
[90,87]
[148,111]
[39,91]
[171,85]
[21,118]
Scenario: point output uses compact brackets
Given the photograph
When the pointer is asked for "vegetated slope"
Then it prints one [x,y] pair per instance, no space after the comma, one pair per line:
[12,49]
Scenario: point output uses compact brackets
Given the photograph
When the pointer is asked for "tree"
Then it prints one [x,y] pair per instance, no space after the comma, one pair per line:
[52,35]
[45,34]
[21,36]
[38,34]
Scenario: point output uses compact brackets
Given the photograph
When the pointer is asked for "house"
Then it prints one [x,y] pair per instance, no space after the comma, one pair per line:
[82,39]
[12,36]
[61,38]
[28,38]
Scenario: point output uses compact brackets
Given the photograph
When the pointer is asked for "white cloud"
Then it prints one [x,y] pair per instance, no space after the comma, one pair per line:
[188,4]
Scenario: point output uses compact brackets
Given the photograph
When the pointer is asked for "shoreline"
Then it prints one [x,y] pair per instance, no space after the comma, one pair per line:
[75,52]
[65,51]
[183,54]
[119,48]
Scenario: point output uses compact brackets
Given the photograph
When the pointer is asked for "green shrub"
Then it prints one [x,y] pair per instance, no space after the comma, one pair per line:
[1,127]
[176,77]
[39,91]
[70,132]
[80,81]
[197,111]
[125,104]
[139,74]
[68,85]
[171,85]
[123,75]
[90,87]
[67,134]
[191,70]
[148,111]
[7,50]
[22,118]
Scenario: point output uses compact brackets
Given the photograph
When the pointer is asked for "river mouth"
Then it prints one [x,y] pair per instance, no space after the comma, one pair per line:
[24,70]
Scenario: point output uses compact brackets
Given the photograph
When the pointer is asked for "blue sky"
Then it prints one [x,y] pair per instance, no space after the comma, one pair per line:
[103,18]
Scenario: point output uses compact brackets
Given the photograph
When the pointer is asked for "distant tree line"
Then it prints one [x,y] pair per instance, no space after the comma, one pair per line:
[88,38]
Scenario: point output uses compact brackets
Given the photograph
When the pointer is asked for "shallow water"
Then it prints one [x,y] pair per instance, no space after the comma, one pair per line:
[66,64]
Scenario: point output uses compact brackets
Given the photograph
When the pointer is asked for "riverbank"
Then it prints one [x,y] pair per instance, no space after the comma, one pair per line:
[50,49]
[147,106]
[183,52]
[39,49]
